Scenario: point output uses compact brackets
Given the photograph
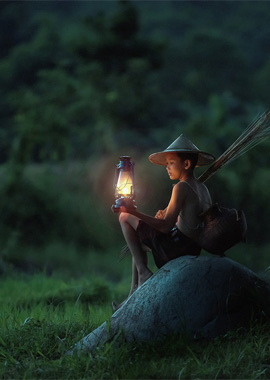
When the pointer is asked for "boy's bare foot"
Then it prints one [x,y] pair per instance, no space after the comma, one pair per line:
[115,306]
[145,276]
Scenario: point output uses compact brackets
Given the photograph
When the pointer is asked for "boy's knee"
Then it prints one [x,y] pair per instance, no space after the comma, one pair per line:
[123,217]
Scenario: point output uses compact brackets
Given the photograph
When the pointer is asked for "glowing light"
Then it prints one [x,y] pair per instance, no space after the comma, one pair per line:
[124,184]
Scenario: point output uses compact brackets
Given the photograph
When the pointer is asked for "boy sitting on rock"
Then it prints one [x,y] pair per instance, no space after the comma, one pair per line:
[173,231]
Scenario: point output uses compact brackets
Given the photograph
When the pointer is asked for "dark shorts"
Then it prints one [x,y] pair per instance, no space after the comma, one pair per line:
[166,247]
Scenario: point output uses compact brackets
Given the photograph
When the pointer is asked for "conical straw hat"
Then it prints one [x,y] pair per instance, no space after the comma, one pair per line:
[182,145]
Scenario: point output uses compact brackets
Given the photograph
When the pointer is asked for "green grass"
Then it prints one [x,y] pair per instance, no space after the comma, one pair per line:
[41,317]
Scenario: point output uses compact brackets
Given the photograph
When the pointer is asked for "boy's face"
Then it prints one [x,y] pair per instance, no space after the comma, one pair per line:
[175,166]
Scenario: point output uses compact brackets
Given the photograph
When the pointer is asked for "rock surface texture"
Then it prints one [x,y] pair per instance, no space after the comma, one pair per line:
[199,296]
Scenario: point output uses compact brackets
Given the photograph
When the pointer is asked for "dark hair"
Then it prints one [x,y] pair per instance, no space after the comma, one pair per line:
[192,157]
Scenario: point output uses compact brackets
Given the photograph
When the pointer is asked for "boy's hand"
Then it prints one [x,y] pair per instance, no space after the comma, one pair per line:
[160,214]
[123,209]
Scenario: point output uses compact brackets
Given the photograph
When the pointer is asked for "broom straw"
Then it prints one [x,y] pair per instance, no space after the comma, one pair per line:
[255,133]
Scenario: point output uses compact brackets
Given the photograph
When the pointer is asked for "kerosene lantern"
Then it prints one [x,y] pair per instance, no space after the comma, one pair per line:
[124,184]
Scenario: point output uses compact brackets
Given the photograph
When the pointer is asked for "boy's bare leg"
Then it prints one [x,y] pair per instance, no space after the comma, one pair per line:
[135,277]
[134,286]
[129,224]
[140,271]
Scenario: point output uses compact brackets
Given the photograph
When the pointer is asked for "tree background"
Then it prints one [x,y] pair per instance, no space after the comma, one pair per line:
[83,83]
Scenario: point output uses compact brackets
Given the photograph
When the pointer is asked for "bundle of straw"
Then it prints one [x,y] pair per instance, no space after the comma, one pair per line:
[256,132]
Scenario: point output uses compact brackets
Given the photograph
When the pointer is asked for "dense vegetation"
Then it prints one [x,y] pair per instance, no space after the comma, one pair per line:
[82,83]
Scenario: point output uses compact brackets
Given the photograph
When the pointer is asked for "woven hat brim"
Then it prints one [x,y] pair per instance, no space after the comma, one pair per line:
[159,158]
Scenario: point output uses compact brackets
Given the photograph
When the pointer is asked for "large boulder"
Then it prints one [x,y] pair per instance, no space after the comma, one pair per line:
[199,296]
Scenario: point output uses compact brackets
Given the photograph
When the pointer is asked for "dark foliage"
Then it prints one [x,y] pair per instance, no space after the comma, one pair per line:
[101,79]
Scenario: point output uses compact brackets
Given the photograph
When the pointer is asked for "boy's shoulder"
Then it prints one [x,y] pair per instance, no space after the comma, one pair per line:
[195,185]
[180,186]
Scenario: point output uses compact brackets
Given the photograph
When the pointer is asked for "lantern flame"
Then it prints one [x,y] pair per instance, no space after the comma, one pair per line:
[124,184]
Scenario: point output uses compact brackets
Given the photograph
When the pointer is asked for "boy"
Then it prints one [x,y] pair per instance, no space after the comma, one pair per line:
[173,231]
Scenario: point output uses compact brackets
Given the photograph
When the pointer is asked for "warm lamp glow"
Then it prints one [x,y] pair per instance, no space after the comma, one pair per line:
[124,184]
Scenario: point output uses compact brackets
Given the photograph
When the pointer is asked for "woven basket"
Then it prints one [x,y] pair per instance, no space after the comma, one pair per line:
[222,229]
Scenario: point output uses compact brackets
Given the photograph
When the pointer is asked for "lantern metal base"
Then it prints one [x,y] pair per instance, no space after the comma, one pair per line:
[128,203]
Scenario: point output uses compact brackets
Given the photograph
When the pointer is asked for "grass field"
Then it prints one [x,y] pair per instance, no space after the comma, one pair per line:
[43,315]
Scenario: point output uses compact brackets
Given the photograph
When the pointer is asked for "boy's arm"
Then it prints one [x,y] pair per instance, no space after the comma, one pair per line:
[178,197]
